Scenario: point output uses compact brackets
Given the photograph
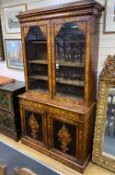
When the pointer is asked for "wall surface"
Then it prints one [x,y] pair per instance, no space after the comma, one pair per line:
[106,41]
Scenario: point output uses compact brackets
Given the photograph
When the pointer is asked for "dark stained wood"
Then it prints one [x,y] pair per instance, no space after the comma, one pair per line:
[10,124]
[62,127]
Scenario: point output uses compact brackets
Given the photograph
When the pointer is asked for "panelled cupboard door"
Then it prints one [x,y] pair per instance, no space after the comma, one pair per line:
[63,136]
[70,58]
[34,125]
[37,57]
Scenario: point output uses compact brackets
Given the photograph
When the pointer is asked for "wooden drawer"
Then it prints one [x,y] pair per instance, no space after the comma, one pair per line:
[6,100]
[34,125]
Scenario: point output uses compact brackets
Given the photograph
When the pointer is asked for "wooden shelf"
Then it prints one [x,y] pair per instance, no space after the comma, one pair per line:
[70,64]
[39,77]
[38,42]
[70,82]
[38,61]
[66,95]
[76,41]
[40,90]
[61,63]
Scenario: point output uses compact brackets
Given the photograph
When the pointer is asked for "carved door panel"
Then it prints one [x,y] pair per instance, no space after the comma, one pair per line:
[7,120]
[69,54]
[37,57]
[34,126]
[6,101]
[63,135]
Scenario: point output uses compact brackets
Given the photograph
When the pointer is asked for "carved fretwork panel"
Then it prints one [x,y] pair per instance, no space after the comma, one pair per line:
[33,122]
[58,28]
[108,71]
[44,30]
[64,137]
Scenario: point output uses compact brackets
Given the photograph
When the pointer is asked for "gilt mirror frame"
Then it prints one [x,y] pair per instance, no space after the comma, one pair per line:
[106,83]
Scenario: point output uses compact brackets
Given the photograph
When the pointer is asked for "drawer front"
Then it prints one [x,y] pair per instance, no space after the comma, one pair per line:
[5,100]
[34,125]
[63,135]
[7,120]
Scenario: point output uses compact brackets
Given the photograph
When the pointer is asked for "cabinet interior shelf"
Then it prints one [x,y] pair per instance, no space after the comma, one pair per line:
[61,63]
[59,80]
[39,77]
[38,61]
[70,64]
[72,41]
[70,82]
[37,42]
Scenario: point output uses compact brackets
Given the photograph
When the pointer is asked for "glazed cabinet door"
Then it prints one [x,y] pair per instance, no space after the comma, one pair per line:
[70,58]
[63,135]
[37,57]
[34,125]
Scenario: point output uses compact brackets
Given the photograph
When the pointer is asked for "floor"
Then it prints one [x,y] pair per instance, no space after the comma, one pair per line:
[92,169]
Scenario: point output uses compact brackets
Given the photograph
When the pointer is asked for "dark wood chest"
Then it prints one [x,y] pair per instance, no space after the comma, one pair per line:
[9,109]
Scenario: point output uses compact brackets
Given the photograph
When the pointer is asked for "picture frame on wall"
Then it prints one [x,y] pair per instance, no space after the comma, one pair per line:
[1,44]
[11,21]
[13,49]
[109,20]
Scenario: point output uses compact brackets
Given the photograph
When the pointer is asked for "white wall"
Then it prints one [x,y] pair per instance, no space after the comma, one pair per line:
[106,41]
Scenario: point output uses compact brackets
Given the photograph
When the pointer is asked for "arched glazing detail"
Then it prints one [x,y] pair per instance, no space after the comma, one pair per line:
[70,43]
[36,53]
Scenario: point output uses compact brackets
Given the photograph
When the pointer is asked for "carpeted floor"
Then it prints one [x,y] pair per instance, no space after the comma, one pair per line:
[13,158]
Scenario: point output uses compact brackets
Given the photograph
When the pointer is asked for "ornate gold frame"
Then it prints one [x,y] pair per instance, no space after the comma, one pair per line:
[106,81]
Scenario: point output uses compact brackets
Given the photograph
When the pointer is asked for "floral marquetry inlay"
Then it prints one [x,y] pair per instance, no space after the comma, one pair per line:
[34,126]
[64,138]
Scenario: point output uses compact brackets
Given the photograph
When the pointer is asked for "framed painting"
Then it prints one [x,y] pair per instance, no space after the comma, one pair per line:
[11,21]
[14,57]
[109,20]
[104,136]
[1,44]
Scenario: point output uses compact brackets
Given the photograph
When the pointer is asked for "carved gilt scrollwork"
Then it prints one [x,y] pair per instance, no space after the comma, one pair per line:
[107,82]
[64,138]
[108,71]
[34,126]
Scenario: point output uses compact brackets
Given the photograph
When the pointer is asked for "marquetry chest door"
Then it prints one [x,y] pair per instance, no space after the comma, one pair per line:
[63,136]
[34,126]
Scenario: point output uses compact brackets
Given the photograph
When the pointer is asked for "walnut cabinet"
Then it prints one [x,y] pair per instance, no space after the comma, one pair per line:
[60,63]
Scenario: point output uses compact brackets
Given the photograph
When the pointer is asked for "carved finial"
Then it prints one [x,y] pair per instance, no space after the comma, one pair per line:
[108,71]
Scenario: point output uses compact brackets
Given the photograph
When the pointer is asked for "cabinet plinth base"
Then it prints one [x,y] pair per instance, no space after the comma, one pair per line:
[63,160]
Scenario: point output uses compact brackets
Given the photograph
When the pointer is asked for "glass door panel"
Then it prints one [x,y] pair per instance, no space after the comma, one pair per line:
[37,59]
[70,43]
